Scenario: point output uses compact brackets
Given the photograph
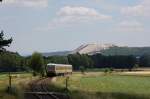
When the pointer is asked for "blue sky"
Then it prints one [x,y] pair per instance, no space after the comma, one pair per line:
[57,25]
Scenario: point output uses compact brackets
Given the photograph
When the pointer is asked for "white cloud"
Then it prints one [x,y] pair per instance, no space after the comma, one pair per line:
[27,3]
[68,16]
[130,26]
[81,13]
[77,14]
[142,9]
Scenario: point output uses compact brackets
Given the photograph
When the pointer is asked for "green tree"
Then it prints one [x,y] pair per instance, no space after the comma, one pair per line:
[56,59]
[37,63]
[4,42]
[10,62]
[145,60]
[78,60]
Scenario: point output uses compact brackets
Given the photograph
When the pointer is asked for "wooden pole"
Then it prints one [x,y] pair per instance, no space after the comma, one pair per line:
[67,79]
[9,81]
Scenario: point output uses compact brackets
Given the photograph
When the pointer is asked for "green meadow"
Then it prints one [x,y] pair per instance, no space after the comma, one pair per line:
[108,86]
[91,85]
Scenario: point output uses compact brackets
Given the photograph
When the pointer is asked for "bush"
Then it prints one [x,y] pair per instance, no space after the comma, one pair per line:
[34,73]
[12,90]
[82,69]
[108,70]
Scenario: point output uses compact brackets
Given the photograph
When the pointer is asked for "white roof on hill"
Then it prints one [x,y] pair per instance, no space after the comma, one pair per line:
[49,64]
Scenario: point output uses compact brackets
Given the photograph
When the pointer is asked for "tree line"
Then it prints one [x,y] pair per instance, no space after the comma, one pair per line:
[14,62]
[10,61]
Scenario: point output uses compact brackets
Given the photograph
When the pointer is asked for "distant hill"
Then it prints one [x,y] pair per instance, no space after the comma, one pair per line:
[137,51]
[105,49]
[59,53]
[83,49]
[92,48]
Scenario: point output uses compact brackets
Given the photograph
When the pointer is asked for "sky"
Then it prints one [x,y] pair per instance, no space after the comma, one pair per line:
[58,25]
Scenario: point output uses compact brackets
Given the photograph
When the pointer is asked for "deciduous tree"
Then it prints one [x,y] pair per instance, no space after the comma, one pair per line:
[4,42]
[37,63]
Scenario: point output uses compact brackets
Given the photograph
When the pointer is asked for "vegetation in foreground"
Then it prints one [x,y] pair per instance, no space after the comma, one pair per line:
[90,85]
[105,86]
[19,81]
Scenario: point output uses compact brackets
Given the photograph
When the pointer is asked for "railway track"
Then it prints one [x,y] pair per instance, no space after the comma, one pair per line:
[45,95]
[39,89]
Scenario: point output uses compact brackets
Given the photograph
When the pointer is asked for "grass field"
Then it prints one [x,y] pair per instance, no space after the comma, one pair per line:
[18,80]
[116,86]
[92,85]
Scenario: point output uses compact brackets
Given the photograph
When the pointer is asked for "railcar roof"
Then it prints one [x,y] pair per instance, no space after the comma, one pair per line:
[58,64]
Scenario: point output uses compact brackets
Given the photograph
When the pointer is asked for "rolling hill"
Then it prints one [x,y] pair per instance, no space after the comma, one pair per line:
[105,49]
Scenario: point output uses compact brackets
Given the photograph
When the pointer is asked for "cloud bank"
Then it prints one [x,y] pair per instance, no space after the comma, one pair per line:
[69,15]
[141,9]
[27,3]
[80,13]
[130,26]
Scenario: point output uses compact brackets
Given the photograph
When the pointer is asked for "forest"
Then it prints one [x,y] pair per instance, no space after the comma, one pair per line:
[10,61]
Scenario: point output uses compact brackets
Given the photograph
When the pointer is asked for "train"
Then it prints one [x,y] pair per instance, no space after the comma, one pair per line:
[58,69]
